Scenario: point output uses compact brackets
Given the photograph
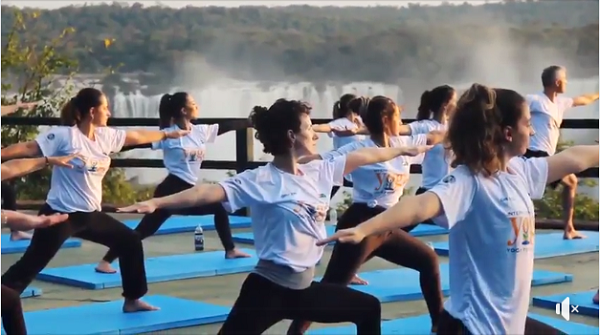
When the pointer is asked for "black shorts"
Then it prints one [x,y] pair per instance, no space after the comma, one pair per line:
[539,153]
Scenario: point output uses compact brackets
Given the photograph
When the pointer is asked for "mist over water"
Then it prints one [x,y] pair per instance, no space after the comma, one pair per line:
[494,63]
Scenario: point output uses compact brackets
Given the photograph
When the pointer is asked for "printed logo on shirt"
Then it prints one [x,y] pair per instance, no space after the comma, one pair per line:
[317,213]
[389,182]
[523,233]
[449,179]
[50,136]
[193,155]
[94,166]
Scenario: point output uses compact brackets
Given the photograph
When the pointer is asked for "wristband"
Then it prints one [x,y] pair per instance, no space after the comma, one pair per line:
[47,160]
[4,219]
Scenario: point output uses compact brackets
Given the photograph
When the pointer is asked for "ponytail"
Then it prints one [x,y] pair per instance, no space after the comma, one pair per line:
[336,110]
[424,111]
[69,115]
[164,112]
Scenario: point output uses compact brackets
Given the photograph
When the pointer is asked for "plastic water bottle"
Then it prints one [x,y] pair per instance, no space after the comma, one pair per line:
[199,238]
[333,216]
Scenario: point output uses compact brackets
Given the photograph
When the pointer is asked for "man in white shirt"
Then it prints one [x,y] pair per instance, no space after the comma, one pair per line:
[547,112]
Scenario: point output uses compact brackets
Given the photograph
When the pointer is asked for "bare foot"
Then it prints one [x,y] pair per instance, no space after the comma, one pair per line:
[572,234]
[595,299]
[235,253]
[20,235]
[105,267]
[132,306]
[356,280]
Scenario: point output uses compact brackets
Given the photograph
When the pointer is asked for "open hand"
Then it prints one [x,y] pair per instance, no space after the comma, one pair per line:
[416,150]
[351,235]
[147,206]
[63,161]
[176,133]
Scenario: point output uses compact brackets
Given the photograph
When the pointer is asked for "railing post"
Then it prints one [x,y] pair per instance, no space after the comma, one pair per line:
[244,153]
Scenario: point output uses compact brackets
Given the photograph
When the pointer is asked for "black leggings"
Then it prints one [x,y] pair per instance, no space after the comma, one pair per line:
[448,325]
[152,222]
[262,303]
[12,313]
[396,246]
[9,198]
[96,227]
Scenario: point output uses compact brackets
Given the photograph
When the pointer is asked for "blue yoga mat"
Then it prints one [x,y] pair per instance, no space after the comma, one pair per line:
[420,230]
[403,284]
[548,245]
[158,269]
[31,292]
[108,318]
[582,299]
[185,224]
[15,247]
[422,325]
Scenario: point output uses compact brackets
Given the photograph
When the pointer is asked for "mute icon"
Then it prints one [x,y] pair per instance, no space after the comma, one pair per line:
[565,309]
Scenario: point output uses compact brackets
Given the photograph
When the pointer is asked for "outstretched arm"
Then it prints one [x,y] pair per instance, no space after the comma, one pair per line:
[13,108]
[572,160]
[233,125]
[196,196]
[21,167]
[23,222]
[21,150]
[585,99]
[368,156]
[143,136]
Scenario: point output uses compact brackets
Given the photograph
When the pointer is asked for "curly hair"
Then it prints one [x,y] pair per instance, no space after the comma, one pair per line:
[476,134]
[274,123]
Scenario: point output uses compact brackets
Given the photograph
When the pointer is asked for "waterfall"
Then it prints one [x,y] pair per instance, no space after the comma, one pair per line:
[236,99]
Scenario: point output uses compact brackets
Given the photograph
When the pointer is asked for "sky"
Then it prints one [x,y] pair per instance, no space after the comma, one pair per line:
[49,4]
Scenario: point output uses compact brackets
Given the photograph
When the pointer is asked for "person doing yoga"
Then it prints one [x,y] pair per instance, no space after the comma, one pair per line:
[486,202]
[78,192]
[183,158]
[377,187]
[12,311]
[547,111]
[288,203]
[434,112]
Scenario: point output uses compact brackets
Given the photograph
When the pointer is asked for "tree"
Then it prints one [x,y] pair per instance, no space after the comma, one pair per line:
[35,72]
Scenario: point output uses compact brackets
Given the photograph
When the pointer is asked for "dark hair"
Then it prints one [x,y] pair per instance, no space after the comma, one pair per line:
[340,108]
[359,105]
[432,102]
[377,108]
[476,134]
[549,75]
[273,124]
[79,106]
[170,108]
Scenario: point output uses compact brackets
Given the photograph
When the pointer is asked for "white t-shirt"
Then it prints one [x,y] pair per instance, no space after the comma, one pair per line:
[79,189]
[381,184]
[435,165]
[344,123]
[491,242]
[288,211]
[183,156]
[546,118]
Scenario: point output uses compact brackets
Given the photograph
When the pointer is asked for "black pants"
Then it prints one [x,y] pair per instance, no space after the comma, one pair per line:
[539,153]
[152,222]
[262,303]
[9,198]
[448,325]
[96,227]
[12,313]
[397,246]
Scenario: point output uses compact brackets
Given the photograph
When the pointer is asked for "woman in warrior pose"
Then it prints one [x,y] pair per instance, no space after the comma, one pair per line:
[183,158]
[376,188]
[485,202]
[78,192]
[288,202]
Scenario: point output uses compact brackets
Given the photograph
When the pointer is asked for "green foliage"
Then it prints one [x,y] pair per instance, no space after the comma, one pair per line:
[379,44]
[550,207]
[34,71]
